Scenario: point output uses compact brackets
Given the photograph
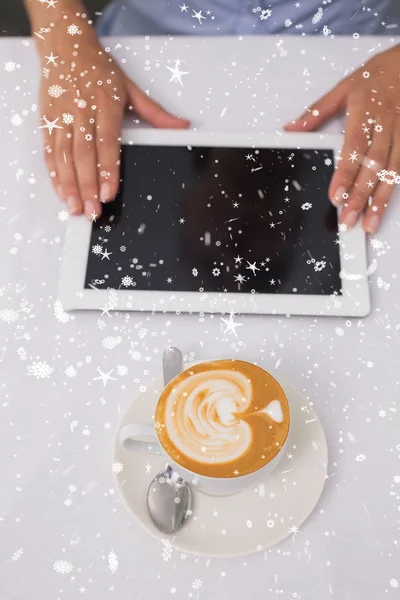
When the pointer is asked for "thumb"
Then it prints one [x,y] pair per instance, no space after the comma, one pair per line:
[322,110]
[151,112]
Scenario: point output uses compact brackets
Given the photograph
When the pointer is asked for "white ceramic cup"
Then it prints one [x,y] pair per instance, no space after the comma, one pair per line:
[142,437]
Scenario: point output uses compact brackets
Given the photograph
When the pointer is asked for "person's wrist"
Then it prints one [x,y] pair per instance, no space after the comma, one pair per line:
[62,27]
[40,15]
[59,38]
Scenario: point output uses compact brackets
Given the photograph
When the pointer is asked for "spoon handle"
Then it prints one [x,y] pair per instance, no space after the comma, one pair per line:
[172,364]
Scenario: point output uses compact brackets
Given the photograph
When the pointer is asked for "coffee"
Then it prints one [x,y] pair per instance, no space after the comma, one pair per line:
[223,418]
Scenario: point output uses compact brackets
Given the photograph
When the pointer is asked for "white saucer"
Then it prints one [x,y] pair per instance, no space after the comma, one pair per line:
[249,521]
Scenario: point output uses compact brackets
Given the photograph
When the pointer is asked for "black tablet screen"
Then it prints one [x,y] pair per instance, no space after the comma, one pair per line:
[219,220]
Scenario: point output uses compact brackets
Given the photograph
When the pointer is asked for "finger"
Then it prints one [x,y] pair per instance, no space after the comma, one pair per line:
[50,160]
[366,180]
[108,128]
[152,112]
[49,143]
[322,110]
[84,152]
[354,149]
[66,171]
[384,190]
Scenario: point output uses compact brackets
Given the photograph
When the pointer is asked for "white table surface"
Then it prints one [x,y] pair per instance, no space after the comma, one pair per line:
[58,499]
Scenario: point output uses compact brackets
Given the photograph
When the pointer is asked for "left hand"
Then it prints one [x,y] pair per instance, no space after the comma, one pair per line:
[371,98]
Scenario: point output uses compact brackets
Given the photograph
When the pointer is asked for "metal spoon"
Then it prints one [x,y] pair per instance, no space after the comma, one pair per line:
[169,497]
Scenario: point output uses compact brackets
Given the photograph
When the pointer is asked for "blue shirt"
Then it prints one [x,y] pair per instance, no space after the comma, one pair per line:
[230,17]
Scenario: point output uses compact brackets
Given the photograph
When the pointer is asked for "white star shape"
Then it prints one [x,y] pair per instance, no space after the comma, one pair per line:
[104,376]
[106,254]
[230,324]
[50,125]
[240,278]
[105,311]
[198,15]
[184,8]
[148,468]
[51,59]
[176,73]
[353,156]
[252,267]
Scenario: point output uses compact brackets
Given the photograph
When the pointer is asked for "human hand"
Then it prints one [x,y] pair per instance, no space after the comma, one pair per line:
[83,96]
[370,158]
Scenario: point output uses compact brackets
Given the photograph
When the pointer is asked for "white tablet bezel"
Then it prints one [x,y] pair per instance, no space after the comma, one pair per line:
[354,301]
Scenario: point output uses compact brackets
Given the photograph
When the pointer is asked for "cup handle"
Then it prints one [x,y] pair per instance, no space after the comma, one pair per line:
[130,437]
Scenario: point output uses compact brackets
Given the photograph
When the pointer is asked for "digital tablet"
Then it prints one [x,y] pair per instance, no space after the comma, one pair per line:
[217,222]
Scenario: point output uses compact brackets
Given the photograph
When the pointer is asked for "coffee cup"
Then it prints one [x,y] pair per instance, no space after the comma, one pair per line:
[222,425]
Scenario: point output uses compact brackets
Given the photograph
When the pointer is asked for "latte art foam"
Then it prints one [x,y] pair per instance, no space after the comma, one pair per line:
[207,422]
[222,418]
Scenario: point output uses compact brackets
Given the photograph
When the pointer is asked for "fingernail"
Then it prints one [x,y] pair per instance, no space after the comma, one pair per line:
[73,204]
[90,210]
[60,192]
[351,218]
[337,198]
[372,224]
[105,192]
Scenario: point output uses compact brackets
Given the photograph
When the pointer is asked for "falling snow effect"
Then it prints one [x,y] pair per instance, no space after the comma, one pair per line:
[68,378]
[62,566]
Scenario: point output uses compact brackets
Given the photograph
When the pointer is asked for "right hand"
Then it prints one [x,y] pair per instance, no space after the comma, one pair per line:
[83,155]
